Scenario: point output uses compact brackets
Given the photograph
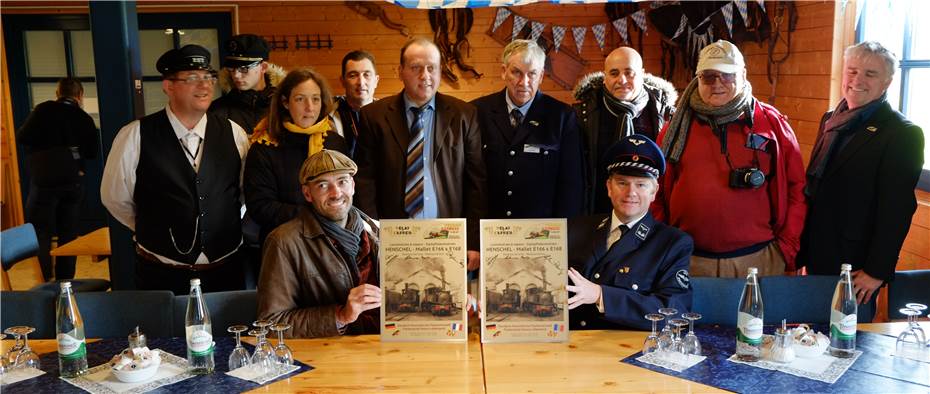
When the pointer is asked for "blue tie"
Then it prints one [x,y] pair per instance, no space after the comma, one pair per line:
[413,191]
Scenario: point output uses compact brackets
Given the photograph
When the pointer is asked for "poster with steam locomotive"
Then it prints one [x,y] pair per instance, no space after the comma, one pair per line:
[423,280]
[523,276]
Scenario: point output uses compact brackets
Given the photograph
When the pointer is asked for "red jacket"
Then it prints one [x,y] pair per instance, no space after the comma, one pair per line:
[784,186]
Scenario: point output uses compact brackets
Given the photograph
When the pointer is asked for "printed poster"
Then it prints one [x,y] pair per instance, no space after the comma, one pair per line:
[523,277]
[423,280]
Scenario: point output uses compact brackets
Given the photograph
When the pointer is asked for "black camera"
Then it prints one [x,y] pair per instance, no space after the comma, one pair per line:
[746,178]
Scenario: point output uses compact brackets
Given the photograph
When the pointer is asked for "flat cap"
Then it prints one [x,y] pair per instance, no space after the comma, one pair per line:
[188,57]
[245,50]
[324,162]
[636,155]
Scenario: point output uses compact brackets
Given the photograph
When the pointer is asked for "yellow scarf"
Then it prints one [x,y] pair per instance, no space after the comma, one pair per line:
[316,132]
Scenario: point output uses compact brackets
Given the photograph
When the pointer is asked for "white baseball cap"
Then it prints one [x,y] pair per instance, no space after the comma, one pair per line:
[722,56]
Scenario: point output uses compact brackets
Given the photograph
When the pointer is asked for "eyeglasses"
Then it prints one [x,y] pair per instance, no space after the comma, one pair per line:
[195,79]
[710,78]
[243,69]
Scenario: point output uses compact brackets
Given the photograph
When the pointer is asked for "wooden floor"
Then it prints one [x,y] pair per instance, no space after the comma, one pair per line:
[26,274]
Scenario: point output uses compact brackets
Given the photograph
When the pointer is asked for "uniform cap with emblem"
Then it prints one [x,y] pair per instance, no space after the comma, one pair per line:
[186,58]
[636,155]
[722,56]
[325,162]
[245,50]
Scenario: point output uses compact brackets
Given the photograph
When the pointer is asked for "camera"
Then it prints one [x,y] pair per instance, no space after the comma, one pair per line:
[746,178]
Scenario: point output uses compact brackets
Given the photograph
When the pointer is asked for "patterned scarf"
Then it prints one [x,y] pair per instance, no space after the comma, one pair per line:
[347,238]
[673,144]
[316,132]
[625,111]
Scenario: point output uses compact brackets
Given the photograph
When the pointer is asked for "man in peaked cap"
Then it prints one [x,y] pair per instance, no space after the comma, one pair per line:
[248,80]
[173,178]
[626,264]
[303,281]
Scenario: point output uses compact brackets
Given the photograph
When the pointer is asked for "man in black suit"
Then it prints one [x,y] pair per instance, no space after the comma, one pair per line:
[419,152]
[861,177]
[627,264]
[532,147]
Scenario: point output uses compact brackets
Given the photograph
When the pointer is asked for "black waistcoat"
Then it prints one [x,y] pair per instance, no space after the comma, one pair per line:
[179,212]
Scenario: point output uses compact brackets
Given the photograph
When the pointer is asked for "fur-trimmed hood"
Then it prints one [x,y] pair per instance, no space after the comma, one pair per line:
[273,76]
[657,87]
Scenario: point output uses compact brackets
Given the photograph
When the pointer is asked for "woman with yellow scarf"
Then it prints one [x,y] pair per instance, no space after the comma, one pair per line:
[297,126]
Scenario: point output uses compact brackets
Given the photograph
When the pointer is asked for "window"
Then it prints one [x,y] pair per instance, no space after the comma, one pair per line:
[910,41]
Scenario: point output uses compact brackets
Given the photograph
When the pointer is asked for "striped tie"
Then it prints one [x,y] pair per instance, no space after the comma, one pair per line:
[413,191]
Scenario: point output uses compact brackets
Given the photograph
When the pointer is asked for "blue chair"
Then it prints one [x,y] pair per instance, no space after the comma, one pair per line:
[29,308]
[804,299]
[20,243]
[115,314]
[716,299]
[907,286]
[226,308]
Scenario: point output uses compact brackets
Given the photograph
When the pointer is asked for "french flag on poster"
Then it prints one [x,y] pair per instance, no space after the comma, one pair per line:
[457,326]
[558,327]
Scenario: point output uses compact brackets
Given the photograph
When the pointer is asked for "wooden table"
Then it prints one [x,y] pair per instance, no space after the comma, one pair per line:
[589,363]
[95,244]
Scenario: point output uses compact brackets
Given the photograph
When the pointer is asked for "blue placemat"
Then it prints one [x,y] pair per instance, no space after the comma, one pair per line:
[875,370]
[101,351]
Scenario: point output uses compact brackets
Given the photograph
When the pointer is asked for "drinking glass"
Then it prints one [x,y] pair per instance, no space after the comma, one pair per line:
[25,357]
[240,355]
[666,337]
[10,357]
[651,344]
[920,308]
[282,352]
[3,365]
[691,344]
[263,357]
[678,324]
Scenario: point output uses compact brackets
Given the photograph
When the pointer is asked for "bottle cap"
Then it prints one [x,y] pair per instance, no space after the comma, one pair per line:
[753,271]
[65,285]
[195,282]
[846,267]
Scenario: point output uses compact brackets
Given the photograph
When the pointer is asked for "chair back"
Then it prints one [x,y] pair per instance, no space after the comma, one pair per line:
[227,308]
[115,314]
[804,299]
[716,299]
[29,308]
[908,286]
[19,243]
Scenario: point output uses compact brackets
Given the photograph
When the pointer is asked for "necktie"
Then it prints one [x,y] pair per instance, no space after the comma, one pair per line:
[191,146]
[616,234]
[413,191]
[516,117]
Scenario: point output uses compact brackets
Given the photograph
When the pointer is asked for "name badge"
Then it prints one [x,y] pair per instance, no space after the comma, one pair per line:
[527,148]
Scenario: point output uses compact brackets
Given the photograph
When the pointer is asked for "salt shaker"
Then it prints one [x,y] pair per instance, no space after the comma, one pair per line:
[783,349]
[136,339]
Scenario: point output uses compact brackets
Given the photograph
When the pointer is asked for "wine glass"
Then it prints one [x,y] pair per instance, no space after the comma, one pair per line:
[651,344]
[10,357]
[263,357]
[240,355]
[25,357]
[920,308]
[666,337]
[282,352]
[691,344]
[678,323]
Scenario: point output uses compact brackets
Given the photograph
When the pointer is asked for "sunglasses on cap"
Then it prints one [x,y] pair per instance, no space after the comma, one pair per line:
[710,77]
[243,69]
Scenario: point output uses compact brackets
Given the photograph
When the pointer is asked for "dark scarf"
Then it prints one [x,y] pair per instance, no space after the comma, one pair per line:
[625,111]
[836,131]
[349,238]
[673,144]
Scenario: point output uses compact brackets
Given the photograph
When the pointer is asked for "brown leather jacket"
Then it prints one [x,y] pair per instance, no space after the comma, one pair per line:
[304,279]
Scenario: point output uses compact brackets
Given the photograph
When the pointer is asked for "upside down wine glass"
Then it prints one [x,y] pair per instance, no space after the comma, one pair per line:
[651,344]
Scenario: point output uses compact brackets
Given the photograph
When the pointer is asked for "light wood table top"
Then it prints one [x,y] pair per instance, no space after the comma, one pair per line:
[95,244]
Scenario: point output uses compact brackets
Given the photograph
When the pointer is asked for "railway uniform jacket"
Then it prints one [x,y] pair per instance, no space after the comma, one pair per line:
[534,170]
[645,270]
[862,208]
[304,279]
[457,166]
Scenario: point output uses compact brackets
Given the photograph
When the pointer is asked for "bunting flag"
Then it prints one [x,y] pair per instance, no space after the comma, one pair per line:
[640,18]
[502,14]
[743,11]
[620,25]
[518,23]
[558,33]
[728,17]
[681,26]
[536,29]
[578,34]
[438,4]
[761,4]
[599,32]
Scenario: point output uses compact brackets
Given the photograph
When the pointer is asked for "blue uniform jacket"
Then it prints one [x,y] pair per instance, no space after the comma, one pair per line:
[535,170]
[645,270]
